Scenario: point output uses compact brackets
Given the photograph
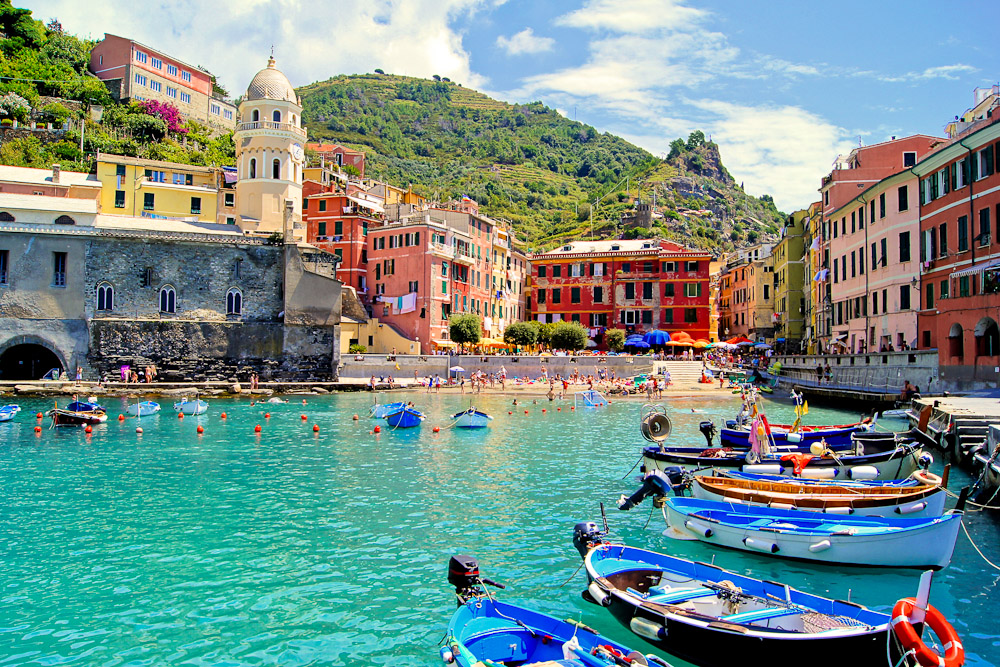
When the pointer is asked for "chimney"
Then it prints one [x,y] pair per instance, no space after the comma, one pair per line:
[55,173]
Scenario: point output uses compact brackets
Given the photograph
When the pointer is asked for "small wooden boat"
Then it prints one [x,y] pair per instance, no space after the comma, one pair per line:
[65,417]
[847,540]
[882,458]
[717,618]
[472,418]
[195,407]
[484,631]
[897,483]
[85,406]
[380,410]
[404,417]
[143,409]
[8,412]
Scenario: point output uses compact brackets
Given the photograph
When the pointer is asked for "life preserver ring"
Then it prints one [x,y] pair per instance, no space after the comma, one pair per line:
[926,477]
[902,627]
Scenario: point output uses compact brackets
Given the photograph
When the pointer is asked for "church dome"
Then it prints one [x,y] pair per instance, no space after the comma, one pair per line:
[271,84]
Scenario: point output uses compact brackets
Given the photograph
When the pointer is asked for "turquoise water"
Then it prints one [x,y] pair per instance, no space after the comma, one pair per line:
[298,548]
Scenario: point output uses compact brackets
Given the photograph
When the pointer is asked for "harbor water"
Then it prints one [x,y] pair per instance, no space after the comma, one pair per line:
[296,547]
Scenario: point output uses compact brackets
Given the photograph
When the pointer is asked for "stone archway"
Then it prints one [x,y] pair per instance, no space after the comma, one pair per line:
[987,338]
[29,358]
[956,341]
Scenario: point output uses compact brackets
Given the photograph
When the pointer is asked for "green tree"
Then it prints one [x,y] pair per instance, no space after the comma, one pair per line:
[615,339]
[357,348]
[569,336]
[465,329]
[677,146]
[520,333]
[695,139]
[543,331]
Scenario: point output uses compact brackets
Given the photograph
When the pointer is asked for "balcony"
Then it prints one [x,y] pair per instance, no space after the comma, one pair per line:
[270,125]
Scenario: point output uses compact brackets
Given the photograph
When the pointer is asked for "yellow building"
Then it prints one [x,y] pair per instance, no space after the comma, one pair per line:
[789,299]
[151,188]
[813,264]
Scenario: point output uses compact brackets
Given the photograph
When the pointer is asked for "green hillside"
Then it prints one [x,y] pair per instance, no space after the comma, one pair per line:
[527,163]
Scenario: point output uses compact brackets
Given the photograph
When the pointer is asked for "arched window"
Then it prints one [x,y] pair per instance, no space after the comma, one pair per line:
[253,167]
[105,296]
[987,338]
[65,220]
[276,116]
[255,116]
[956,346]
[168,299]
[276,169]
[234,302]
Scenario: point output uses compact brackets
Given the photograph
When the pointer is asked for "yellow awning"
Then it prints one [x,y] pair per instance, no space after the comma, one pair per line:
[443,343]
[492,342]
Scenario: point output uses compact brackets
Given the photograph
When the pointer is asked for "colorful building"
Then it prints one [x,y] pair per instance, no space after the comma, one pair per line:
[959,198]
[789,273]
[637,285]
[817,288]
[155,189]
[338,157]
[134,71]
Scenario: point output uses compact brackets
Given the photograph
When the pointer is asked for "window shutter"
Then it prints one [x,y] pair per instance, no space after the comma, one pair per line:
[699,289]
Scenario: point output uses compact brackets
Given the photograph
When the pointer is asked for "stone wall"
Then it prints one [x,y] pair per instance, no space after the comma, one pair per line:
[516,366]
[885,371]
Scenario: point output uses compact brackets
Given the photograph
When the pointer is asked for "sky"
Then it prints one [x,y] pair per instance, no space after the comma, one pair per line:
[783,87]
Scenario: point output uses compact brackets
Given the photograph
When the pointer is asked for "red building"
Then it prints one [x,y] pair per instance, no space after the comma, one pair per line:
[335,154]
[960,252]
[637,285]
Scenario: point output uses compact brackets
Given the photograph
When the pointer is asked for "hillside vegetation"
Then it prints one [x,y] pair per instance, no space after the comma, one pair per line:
[529,164]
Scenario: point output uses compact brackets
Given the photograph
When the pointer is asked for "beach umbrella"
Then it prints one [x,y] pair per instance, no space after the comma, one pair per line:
[739,339]
[457,369]
[641,344]
[762,346]
[657,337]
[746,343]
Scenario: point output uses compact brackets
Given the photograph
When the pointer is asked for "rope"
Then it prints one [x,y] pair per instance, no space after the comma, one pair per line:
[582,563]
[652,506]
[632,468]
[991,563]
[980,505]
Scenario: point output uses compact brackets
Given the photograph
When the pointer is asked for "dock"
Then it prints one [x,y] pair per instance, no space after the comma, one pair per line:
[957,425]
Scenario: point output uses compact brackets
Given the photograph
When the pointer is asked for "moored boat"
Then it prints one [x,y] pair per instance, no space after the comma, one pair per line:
[484,631]
[8,412]
[472,418]
[143,409]
[847,540]
[195,407]
[404,417]
[380,410]
[716,618]
[65,417]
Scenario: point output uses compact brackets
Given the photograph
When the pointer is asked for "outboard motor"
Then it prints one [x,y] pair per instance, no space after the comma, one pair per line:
[586,536]
[925,460]
[707,429]
[656,483]
[732,423]
[463,574]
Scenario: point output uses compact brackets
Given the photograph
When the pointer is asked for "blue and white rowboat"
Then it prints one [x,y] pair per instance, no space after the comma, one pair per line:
[847,540]
[405,417]
[143,409]
[195,407]
[379,411]
[472,418]
[8,412]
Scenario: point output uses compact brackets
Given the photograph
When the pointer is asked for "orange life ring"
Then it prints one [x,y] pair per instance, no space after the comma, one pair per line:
[902,627]
[926,477]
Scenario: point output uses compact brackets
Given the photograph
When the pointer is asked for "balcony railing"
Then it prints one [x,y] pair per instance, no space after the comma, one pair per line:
[270,125]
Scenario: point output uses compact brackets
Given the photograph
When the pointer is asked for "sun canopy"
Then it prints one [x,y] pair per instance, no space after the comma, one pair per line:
[657,337]
[443,343]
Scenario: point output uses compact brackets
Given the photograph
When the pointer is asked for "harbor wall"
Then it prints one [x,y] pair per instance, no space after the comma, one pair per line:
[516,365]
[883,372]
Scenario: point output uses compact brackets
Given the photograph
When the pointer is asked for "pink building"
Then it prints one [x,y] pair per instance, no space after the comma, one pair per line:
[335,154]
[133,71]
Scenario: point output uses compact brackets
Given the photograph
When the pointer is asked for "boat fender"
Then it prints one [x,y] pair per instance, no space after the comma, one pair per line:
[598,594]
[647,629]
[819,473]
[752,457]
[863,472]
[760,545]
[926,477]
[781,506]
[839,510]
[447,657]
[794,437]
[822,545]
[902,628]
[911,508]
[699,528]
[764,469]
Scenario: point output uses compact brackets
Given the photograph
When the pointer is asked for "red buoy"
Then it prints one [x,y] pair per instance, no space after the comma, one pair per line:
[437,429]
[267,415]
[543,410]
[558,409]
[573,407]
[38,429]
[377,429]
[256,429]
[200,429]
[525,412]
[315,428]
[138,429]
[304,418]
[180,415]
[121,418]
[223,415]
[88,429]
[509,412]
[39,415]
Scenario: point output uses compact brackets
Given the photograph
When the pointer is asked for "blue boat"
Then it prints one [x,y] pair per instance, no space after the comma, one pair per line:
[472,418]
[834,438]
[925,542]
[378,411]
[83,406]
[484,631]
[143,409]
[717,618]
[404,417]
[8,412]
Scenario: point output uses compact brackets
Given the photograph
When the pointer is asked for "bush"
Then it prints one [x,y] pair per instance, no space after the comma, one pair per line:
[55,113]
[569,336]
[615,339]
[14,106]
[466,329]
[357,348]
[520,333]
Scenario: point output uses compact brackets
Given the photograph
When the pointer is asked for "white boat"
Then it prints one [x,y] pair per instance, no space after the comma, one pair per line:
[8,412]
[195,407]
[143,409]
[846,540]
[472,418]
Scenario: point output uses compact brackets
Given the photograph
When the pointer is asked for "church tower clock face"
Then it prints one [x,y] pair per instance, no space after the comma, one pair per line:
[297,152]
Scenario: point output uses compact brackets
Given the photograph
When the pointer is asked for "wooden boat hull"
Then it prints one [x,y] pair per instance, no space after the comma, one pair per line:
[870,500]
[886,461]
[697,630]
[472,419]
[69,418]
[872,541]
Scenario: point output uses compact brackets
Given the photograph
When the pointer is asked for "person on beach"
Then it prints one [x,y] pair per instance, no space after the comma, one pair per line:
[819,373]
[829,372]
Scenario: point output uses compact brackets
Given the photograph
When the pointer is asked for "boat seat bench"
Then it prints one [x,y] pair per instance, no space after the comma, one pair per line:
[761,614]
[672,596]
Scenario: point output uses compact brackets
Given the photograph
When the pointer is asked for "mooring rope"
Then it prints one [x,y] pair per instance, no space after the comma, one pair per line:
[978,550]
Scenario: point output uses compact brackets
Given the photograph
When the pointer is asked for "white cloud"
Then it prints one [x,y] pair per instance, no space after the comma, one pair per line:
[525,41]
[949,72]
[636,16]
[312,39]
